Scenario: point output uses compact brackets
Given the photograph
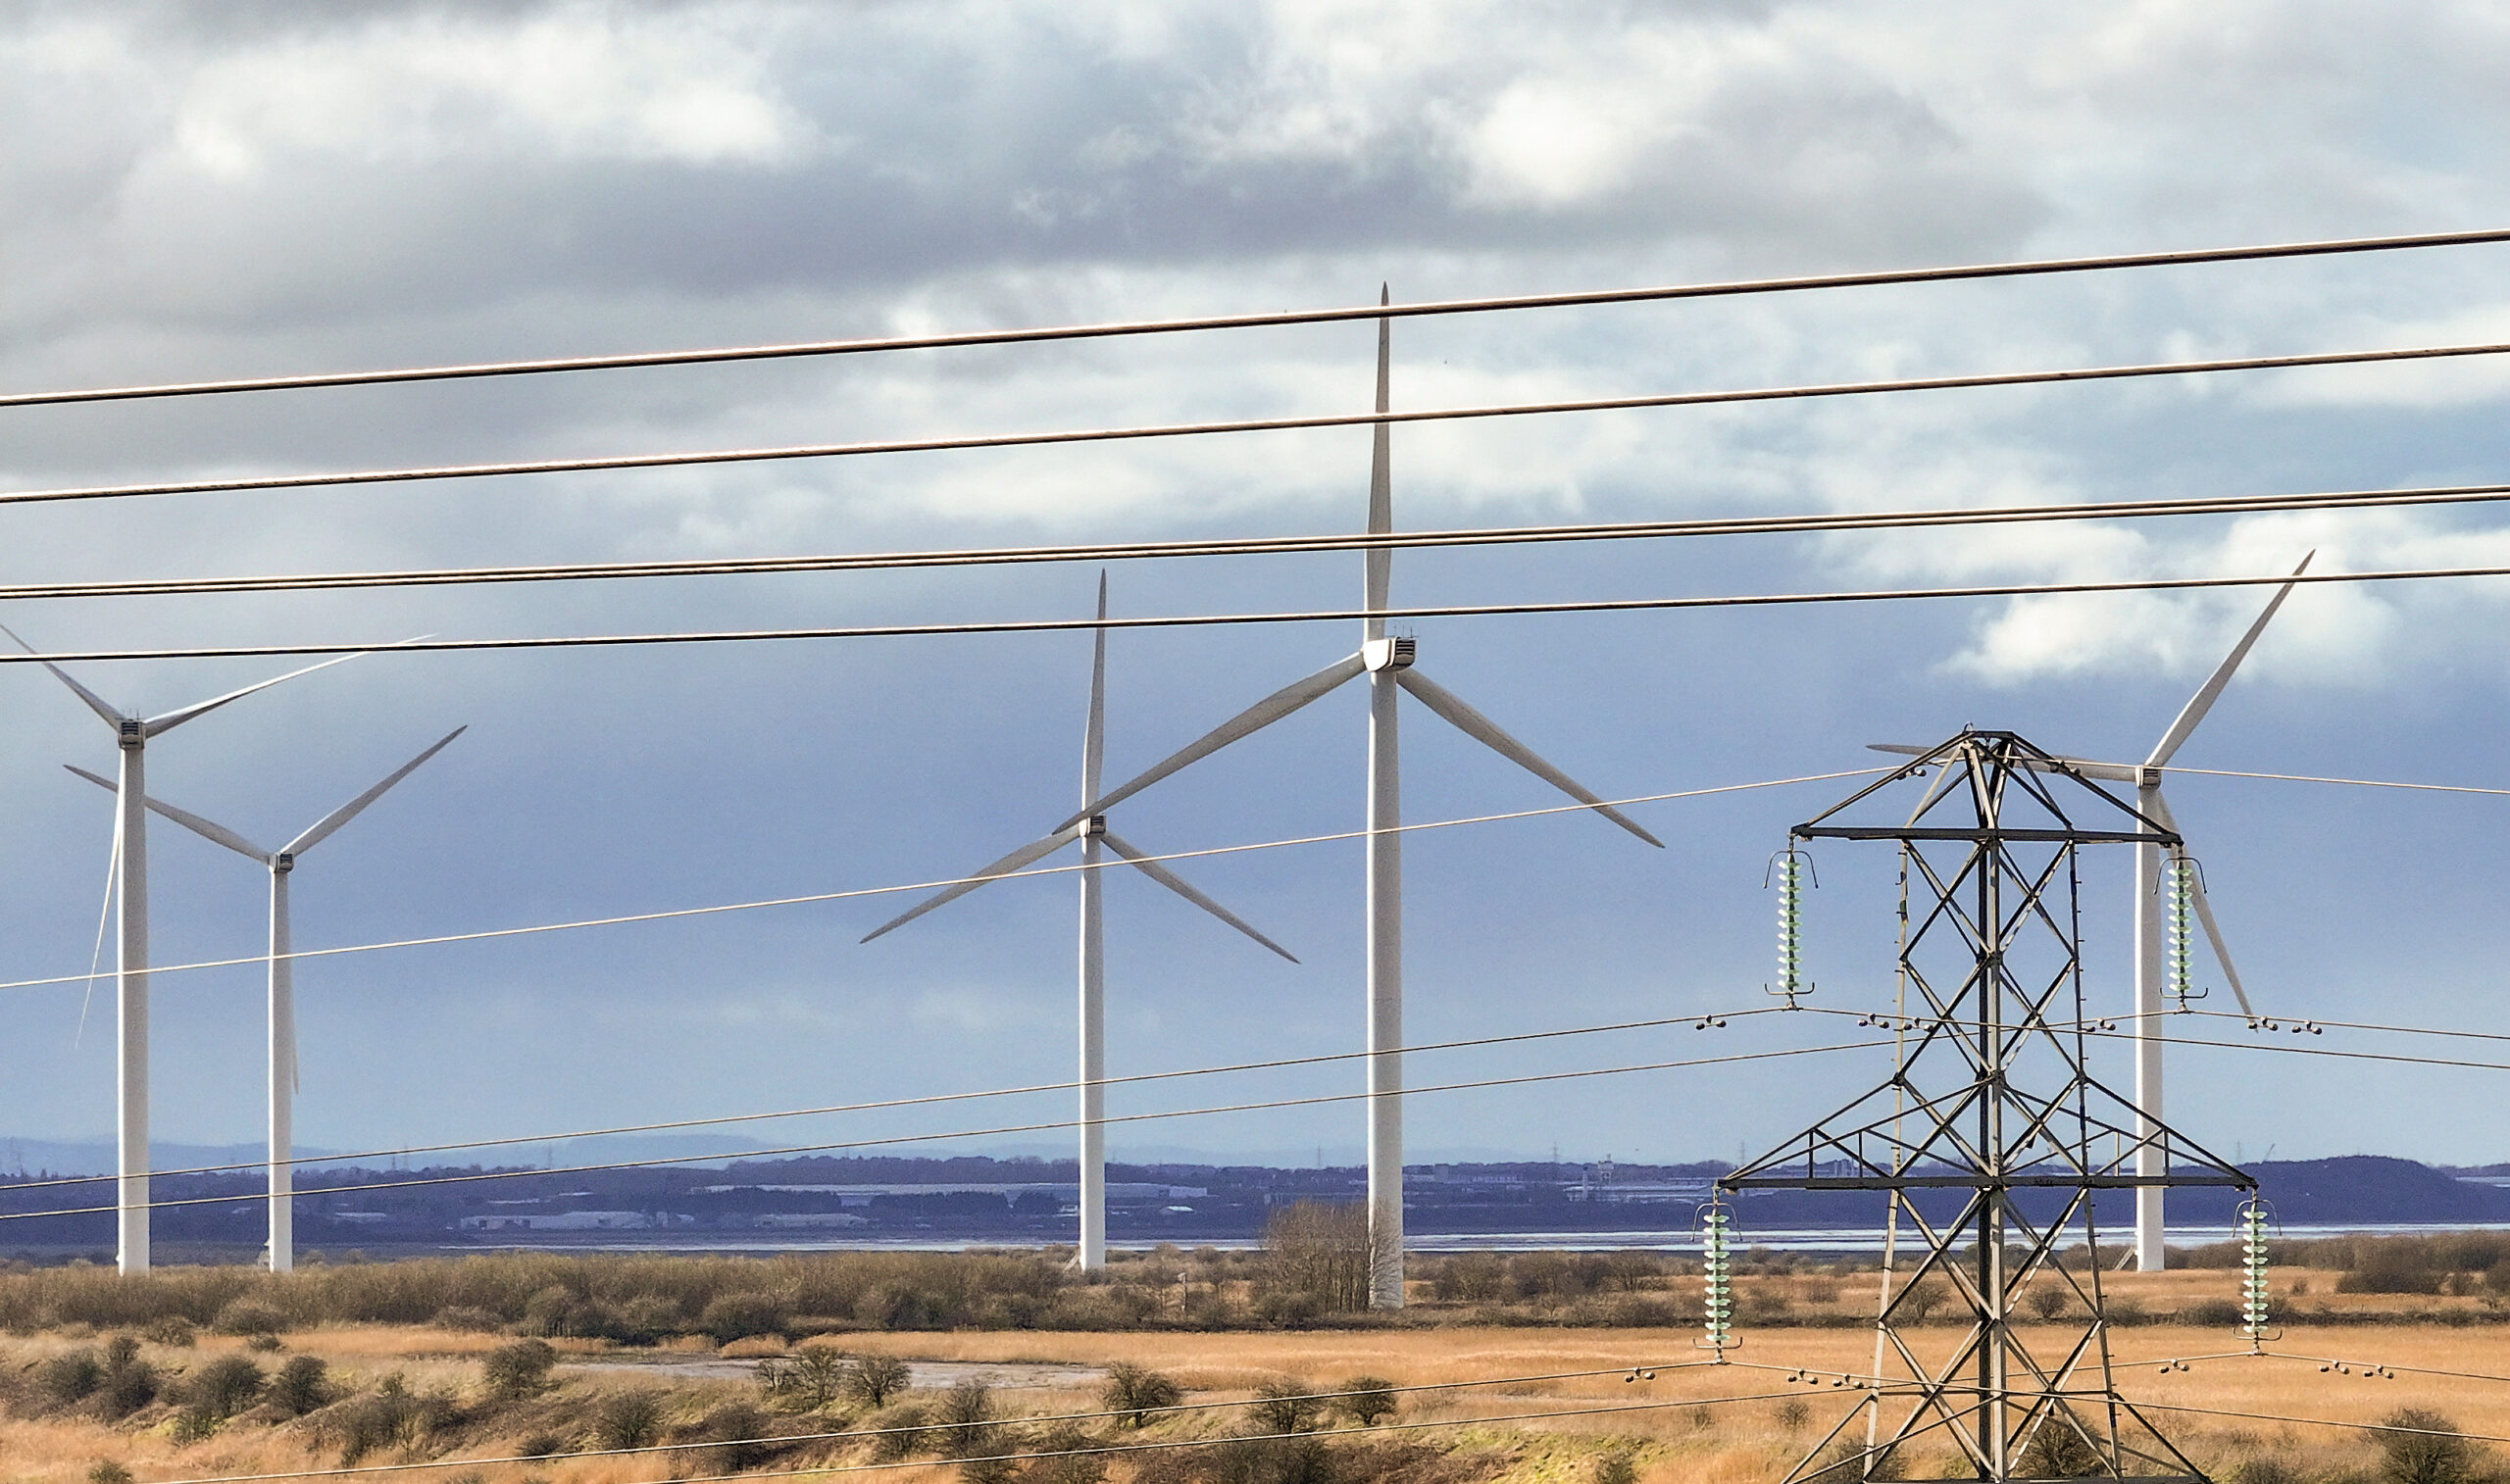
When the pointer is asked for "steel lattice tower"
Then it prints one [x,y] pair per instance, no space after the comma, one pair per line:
[1991,1104]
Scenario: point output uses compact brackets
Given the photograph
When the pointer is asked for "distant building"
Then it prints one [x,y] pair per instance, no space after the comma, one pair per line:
[571,1221]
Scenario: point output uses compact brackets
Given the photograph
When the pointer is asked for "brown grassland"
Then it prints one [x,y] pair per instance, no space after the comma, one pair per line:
[1745,1421]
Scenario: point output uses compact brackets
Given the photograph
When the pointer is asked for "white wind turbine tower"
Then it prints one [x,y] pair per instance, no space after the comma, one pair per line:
[130,976]
[2151,974]
[283,1072]
[1090,829]
[1388,662]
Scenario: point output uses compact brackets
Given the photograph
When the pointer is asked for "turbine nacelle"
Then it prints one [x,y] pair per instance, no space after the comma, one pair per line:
[1396,654]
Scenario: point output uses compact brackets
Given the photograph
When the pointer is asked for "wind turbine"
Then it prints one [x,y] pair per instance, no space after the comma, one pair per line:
[130,976]
[1092,830]
[1389,663]
[2151,1158]
[285,1079]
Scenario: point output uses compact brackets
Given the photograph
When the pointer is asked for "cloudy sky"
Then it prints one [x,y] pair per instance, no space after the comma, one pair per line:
[250,189]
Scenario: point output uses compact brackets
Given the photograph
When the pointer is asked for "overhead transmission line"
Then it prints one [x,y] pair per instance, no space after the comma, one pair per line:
[1700,1020]
[684,459]
[926,1100]
[668,914]
[1306,615]
[1108,330]
[1240,546]
[1040,1126]
[1266,1105]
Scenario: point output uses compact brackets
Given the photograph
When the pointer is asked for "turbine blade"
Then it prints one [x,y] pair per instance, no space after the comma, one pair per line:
[1178,884]
[1094,742]
[1900,749]
[95,703]
[2204,908]
[173,719]
[2206,694]
[345,813]
[1380,559]
[1255,718]
[1454,709]
[1033,851]
[205,828]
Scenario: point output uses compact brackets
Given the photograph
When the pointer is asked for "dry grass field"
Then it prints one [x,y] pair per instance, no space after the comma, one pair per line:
[1513,1405]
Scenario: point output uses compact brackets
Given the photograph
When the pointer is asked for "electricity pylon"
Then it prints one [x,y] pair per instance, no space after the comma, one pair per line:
[1991,1112]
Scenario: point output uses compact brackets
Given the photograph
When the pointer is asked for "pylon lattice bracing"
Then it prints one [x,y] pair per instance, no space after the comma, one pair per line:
[1991,1138]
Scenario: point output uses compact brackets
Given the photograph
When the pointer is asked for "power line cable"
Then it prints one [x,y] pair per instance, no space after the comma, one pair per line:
[2434,788]
[1310,615]
[1044,1126]
[2408,1030]
[669,914]
[1726,526]
[700,458]
[926,1100]
[962,339]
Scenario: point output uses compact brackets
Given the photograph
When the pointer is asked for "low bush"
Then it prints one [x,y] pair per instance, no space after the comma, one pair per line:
[2420,1447]
[965,1411]
[899,1433]
[302,1385]
[1066,1456]
[519,1369]
[225,1386]
[1285,1406]
[1137,1390]
[629,1419]
[727,1441]
[1366,1400]
[250,1317]
[468,1319]
[72,1376]
[874,1379]
[172,1331]
[737,1316]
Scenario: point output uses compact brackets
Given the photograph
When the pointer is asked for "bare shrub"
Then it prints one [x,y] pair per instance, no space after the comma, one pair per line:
[225,1386]
[2421,1447]
[2058,1450]
[731,1435]
[172,1331]
[875,1379]
[899,1433]
[1617,1467]
[1066,1456]
[303,1384]
[519,1369]
[1918,1302]
[72,1376]
[108,1473]
[1366,1400]
[629,1420]
[1792,1414]
[966,1408]
[814,1375]
[1134,1390]
[250,1317]
[1285,1406]
[468,1319]
[1472,1277]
